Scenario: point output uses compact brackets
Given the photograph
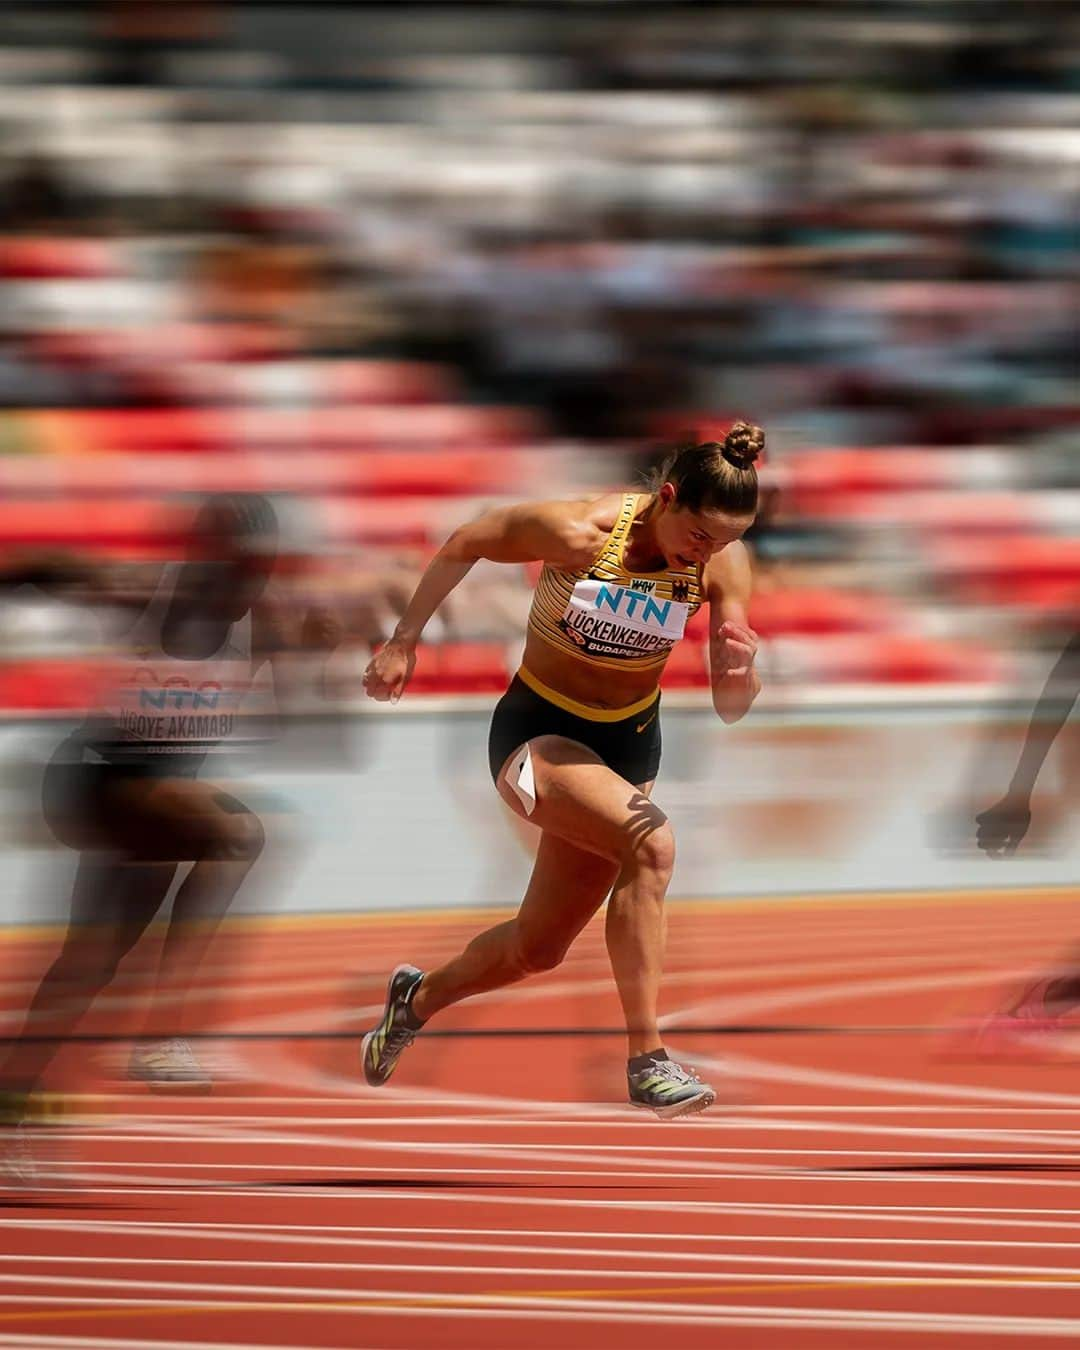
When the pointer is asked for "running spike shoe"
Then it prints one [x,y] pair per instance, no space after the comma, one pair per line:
[396,1031]
[669,1090]
[18,1166]
[168,1066]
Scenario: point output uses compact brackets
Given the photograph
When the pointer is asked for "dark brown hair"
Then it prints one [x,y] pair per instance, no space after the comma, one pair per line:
[715,476]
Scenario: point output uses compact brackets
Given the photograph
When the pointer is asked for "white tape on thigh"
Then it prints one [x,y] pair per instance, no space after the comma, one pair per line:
[519,775]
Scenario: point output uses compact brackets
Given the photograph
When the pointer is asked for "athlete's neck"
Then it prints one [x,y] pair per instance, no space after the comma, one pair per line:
[642,553]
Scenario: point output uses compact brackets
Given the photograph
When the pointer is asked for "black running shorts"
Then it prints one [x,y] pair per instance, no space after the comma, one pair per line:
[75,791]
[631,746]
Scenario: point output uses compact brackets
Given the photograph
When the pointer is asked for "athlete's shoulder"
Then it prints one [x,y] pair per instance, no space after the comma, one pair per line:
[274,623]
[605,511]
[580,527]
[729,574]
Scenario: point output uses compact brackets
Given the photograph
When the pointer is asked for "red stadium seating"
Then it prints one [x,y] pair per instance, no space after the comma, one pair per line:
[33,259]
[47,685]
[377,427]
[810,611]
[461,667]
[1011,570]
[686,667]
[882,659]
[74,524]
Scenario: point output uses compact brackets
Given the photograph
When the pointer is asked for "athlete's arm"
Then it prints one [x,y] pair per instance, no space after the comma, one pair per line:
[281,629]
[53,573]
[83,581]
[732,642]
[1050,714]
[1002,826]
[562,533]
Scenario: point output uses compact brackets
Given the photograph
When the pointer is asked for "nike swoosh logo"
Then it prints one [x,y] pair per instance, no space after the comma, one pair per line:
[643,725]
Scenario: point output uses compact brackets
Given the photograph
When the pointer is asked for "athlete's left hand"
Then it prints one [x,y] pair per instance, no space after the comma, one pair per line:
[734,649]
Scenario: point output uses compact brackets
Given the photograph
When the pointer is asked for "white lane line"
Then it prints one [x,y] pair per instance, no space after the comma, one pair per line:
[759,1069]
[22,1340]
[620,1116]
[506,1308]
[1059,1276]
[999,1134]
[948,1215]
[497,1151]
[241,1128]
[139,1185]
[321,1295]
[516,1176]
[588,1162]
[619,1165]
[135,1183]
[738,1008]
[214,1131]
[436,1239]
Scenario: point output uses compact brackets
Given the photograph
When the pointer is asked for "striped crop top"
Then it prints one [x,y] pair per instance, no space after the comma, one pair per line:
[607,616]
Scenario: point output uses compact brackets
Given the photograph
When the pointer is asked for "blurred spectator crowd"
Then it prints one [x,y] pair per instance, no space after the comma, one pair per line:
[392,263]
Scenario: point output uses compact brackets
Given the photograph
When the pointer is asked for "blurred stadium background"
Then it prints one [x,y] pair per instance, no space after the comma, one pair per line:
[392,263]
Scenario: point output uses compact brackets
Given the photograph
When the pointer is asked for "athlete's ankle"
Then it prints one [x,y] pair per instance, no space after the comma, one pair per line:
[14,1102]
[635,1063]
[417,1016]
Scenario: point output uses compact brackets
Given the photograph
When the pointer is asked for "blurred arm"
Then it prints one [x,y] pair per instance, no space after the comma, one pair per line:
[732,642]
[283,631]
[49,572]
[1050,714]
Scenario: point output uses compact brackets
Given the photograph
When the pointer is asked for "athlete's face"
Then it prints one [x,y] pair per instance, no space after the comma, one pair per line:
[688,537]
[228,572]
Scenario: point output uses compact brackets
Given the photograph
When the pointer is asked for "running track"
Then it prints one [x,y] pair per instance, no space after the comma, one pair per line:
[867,1190]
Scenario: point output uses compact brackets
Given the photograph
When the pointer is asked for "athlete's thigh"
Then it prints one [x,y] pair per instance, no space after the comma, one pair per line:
[175,818]
[112,904]
[580,799]
[568,885]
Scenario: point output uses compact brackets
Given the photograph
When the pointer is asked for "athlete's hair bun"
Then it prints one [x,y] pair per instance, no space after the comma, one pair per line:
[742,445]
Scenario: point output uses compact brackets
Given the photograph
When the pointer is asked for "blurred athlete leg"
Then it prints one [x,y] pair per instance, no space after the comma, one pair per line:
[113,903]
[192,819]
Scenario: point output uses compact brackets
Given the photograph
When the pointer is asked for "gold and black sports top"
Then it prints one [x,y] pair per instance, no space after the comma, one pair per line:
[606,616]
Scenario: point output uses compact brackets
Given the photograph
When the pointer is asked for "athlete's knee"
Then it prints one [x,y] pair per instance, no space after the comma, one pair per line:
[88,968]
[653,850]
[237,836]
[536,952]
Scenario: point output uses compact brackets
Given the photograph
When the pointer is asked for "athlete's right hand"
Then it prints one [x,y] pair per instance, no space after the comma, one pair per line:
[1002,826]
[389,671]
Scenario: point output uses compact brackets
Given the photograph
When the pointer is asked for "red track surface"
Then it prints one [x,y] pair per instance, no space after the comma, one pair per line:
[871,1191]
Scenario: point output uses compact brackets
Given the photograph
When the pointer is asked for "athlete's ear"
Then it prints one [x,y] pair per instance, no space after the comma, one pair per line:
[668,495]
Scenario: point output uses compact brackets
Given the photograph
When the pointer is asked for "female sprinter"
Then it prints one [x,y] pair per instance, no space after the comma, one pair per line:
[575,742]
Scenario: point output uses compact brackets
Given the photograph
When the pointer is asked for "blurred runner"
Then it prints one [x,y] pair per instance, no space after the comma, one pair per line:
[1041,1006]
[124,790]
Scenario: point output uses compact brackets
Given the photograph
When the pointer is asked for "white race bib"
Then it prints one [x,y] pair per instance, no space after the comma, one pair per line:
[182,704]
[608,619]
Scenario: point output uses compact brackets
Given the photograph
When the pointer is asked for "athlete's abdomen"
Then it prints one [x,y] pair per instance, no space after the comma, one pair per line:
[591,685]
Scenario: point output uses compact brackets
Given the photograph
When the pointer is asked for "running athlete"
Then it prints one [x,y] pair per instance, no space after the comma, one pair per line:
[1043,1005]
[123,790]
[574,745]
